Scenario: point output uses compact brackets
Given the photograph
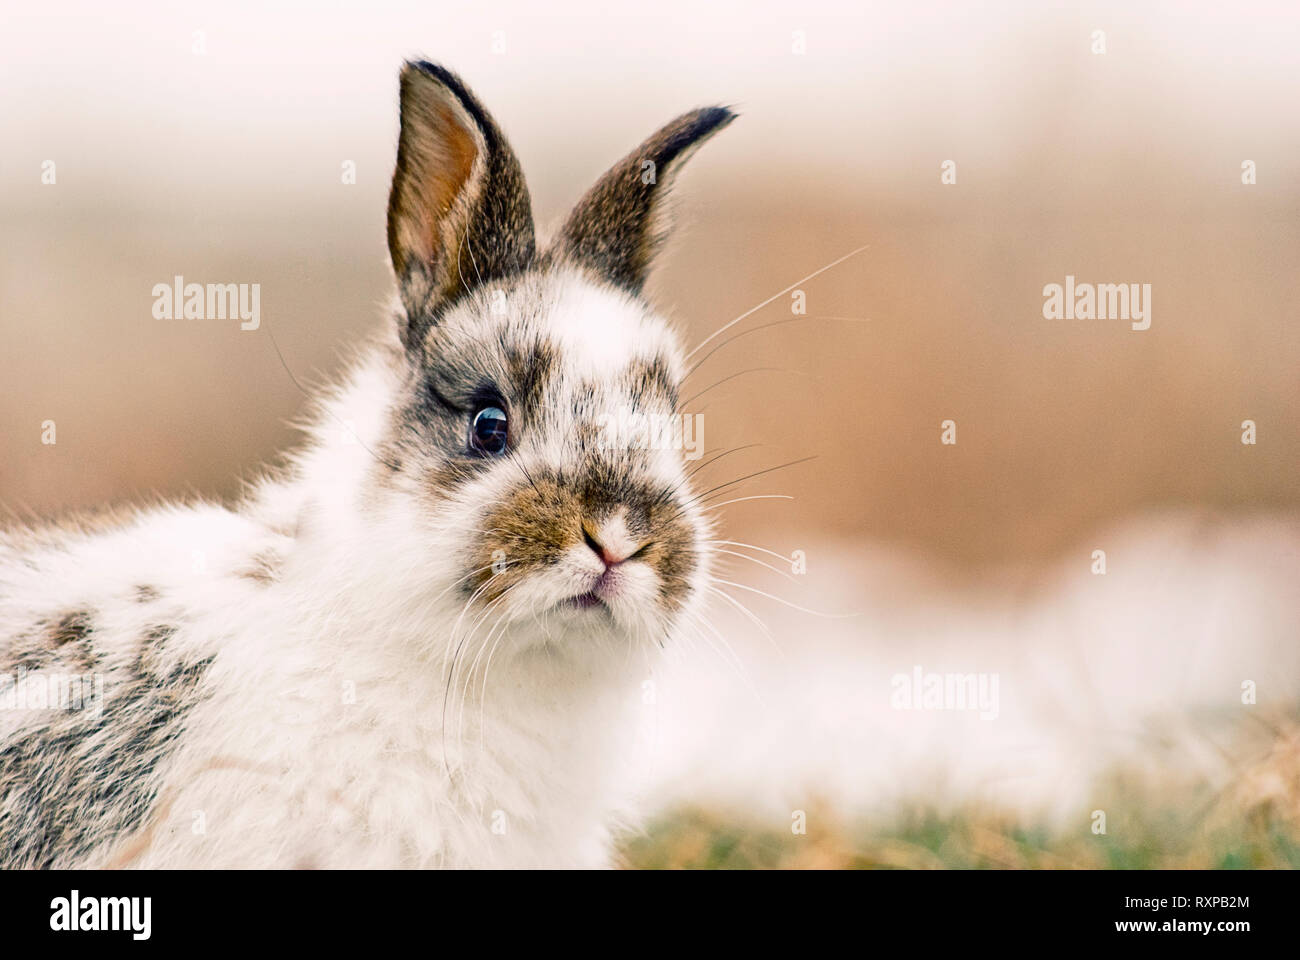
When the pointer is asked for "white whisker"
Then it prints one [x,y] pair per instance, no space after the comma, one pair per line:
[793,606]
[752,310]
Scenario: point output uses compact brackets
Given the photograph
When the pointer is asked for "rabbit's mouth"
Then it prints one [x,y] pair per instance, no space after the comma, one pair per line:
[585,601]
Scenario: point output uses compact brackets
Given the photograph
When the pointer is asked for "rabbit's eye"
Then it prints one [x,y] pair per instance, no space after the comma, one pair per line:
[487,431]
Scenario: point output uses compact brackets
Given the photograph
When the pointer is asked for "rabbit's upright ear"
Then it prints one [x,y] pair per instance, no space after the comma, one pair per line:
[616,228]
[458,212]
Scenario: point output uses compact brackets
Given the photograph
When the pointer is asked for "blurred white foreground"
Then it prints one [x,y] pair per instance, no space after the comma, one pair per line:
[1143,665]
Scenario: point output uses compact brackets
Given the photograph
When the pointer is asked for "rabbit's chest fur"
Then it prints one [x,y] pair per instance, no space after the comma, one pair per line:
[301,732]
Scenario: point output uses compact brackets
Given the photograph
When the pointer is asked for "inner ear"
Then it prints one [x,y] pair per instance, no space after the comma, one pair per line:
[436,155]
[459,214]
[618,226]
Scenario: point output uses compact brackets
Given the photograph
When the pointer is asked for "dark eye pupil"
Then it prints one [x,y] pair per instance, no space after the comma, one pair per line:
[488,431]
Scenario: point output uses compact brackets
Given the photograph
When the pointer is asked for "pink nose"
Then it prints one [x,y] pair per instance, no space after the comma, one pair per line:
[610,555]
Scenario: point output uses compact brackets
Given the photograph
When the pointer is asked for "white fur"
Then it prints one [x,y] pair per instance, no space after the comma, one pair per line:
[600,329]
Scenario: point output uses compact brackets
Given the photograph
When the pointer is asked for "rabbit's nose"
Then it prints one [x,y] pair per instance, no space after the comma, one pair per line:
[611,541]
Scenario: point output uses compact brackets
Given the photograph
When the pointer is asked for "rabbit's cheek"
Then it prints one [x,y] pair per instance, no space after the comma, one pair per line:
[674,559]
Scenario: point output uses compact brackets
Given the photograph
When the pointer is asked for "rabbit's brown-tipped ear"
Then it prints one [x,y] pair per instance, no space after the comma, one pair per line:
[458,212]
[616,228]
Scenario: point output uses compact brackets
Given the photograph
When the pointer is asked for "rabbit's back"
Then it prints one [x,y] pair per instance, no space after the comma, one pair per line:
[104,654]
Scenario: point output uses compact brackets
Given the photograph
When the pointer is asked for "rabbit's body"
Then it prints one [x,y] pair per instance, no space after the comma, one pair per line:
[273,696]
[399,651]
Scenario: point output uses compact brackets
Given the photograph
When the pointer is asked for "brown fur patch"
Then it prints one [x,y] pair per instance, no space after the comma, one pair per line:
[150,653]
[538,521]
[70,628]
[651,380]
[83,779]
[66,641]
[532,527]
[531,372]
[263,569]
[26,652]
[158,665]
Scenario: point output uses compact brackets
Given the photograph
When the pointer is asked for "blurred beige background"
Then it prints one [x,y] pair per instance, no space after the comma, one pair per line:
[225,166]
[1124,167]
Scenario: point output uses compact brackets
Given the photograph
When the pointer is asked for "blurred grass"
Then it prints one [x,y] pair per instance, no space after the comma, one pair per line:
[1253,823]
[695,839]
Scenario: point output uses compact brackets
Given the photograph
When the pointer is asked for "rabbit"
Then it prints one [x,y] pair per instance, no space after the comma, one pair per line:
[420,642]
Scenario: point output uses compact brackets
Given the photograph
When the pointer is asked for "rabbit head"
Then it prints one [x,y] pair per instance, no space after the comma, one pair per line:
[534,425]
